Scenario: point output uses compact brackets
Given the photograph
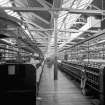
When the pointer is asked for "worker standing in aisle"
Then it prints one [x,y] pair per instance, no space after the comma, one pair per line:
[49,62]
[83,81]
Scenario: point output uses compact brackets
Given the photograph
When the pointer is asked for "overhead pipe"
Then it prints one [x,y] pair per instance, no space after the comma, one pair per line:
[75,11]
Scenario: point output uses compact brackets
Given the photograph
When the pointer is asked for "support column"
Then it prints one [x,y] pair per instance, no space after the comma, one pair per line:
[55,48]
[19,46]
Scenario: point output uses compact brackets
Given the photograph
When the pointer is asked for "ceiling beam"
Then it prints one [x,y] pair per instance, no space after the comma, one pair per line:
[75,11]
[45,30]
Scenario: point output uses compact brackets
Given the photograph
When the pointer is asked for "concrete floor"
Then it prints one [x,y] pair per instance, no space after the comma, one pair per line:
[63,91]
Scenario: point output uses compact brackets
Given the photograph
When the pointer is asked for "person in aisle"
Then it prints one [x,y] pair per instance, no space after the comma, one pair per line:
[83,81]
[49,62]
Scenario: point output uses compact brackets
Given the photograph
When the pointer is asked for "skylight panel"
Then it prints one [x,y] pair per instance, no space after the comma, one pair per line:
[2,2]
[27,32]
[59,25]
[14,14]
[61,19]
[67,4]
[65,1]
[68,18]
[59,22]
[7,3]
[8,40]
[62,13]
[11,13]
[84,28]
[71,18]
[63,26]
[84,4]
[84,1]
[74,6]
